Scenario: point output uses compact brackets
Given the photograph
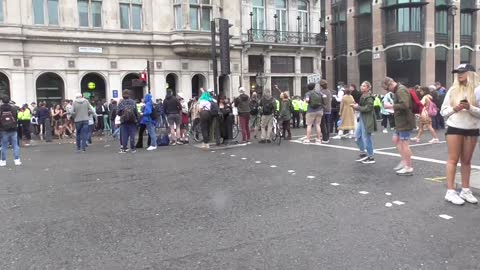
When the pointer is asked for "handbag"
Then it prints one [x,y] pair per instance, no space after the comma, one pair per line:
[432,109]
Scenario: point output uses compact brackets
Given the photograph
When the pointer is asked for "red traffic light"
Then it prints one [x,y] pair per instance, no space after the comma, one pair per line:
[143,76]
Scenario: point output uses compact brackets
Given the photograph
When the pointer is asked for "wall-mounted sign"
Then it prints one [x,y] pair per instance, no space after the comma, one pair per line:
[90,50]
[115,93]
[376,56]
[91,85]
[314,78]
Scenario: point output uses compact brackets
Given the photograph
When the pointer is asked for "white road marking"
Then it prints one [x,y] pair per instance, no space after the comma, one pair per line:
[388,193]
[398,202]
[363,192]
[431,160]
[294,174]
[411,145]
[212,151]
[291,171]
[233,155]
[222,154]
[335,184]
[447,217]
[258,162]
[244,158]
[310,177]
[388,204]
[273,166]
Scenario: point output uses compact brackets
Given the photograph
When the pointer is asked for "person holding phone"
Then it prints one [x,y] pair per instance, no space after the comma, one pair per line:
[461,109]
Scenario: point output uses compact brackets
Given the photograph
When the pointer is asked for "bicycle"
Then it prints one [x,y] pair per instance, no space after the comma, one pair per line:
[277,132]
[195,131]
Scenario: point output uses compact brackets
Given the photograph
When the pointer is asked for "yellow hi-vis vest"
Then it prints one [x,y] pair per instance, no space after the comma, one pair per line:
[296,105]
[19,115]
[26,115]
[278,105]
[304,106]
[139,107]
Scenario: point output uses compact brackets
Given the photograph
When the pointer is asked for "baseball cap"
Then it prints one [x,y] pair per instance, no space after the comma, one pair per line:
[464,68]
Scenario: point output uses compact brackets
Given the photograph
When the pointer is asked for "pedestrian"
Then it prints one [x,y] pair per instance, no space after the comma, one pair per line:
[184,119]
[25,118]
[304,109]
[387,114]
[58,121]
[404,124]
[112,108]
[441,92]
[367,124]
[173,108]
[8,131]
[242,103]
[92,119]
[267,105]
[425,120]
[462,113]
[377,105]
[254,124]
[81,111]
[205,104]
[127,110]
[296,103]
[327,111]
[285,114]
[226,120]
[148,119]
[347,116]
[316,102]
[42,114]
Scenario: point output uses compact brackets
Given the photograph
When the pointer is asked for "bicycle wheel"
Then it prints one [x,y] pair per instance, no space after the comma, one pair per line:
[195,134]
[235,131]
[279,135]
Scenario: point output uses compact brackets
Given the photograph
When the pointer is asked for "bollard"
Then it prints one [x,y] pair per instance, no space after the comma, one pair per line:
[48,130]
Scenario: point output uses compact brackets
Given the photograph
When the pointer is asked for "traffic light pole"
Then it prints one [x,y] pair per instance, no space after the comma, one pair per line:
[214,56]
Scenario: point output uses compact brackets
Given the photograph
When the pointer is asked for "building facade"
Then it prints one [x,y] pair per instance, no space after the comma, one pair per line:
[412,41]
[52,49]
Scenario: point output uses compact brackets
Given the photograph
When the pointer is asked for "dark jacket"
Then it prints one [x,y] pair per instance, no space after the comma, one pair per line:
[367,112]
[356,95]
[171,105]
[286,109]
[127,103]
[402,109]
[242,102]
[328,106]
[13,110]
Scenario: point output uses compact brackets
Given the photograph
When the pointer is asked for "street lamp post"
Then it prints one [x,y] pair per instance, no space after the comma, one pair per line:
[276,27]
[298,30]
[452,9]
[250,37]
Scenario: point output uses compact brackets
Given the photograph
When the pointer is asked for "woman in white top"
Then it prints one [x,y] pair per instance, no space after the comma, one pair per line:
[461,109]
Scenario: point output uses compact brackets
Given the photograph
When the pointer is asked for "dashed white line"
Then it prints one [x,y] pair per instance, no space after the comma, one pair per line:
[335,184]
[244,158]
[258,162]
[233,155]
[388,193]
[291,171]
[363,192]
[447,217]
[310,177]
[398,202]
[273,166]
[388,204]
[212,151]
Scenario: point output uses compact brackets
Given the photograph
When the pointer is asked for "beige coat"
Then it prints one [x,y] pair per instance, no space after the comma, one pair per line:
[347,113]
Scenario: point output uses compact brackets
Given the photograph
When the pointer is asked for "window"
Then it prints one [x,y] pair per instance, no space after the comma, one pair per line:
[258,14]
[409,19]
[90,13]
[282,17]
[303,14]
[1,11]
[465,55]
[364,7]
[441,21]
[283,64]
[131,14]
[307,65]
[177,10]
[255,63]
[396,2]
[45,9]
[200,14]
[466,24]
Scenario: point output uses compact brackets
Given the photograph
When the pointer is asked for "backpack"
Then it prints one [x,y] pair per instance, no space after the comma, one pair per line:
[253,107]
[268,106]
[7,120]
[417,106]
[316,100]
[154,115]
[432,109]
[214,109]
[129,116]
[163,139]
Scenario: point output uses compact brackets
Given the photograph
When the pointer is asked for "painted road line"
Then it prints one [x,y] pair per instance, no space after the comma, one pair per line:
[273,166]
[294,174]
[412,145]
[388,193]
[363,192]
[244,158]
[310,177]
[439,179]
[447,217]
[233,155]
[291,171]
[258,162]
[212,151]
[398,202]
[388,204]
[431,160]
[335,184]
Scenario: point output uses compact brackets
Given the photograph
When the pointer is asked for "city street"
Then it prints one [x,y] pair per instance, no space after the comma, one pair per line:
[292,206]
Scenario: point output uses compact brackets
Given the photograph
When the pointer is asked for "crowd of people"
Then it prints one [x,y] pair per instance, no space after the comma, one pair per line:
[346,111]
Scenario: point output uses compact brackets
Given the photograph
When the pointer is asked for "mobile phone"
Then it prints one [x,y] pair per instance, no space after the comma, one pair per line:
[464,100]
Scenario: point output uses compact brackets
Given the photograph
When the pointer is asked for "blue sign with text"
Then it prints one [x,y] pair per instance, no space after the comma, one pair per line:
[115,93]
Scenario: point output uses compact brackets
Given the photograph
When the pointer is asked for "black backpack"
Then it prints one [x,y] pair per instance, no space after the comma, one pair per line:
[316,100]
[129,116]
[7,120]
[253,107]
[214,109]
[268,106]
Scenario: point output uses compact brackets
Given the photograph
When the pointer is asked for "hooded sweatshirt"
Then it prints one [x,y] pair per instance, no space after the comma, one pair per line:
[81,108]
[242,102]
[171,105]
[147,110]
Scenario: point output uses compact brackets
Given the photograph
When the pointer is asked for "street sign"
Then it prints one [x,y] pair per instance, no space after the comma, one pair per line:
[314,78]
[115,93]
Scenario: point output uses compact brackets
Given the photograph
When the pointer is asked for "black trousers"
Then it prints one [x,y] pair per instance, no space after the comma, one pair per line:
[388,118]
[326,119]
[226,127]
[26,129]
[333,127]
[141,132]
[205,120]
[296,119]
[304,114]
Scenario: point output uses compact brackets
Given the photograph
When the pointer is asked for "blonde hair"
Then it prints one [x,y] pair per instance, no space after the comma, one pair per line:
[459,91]
[369,84]
[285,95]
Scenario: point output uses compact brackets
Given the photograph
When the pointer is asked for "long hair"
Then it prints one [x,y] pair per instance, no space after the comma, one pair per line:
[285,95]
[464,91]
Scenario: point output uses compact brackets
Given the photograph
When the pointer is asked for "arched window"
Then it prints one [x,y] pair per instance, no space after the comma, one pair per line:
[198,81]
[94,85]
[403,64]
[282,15]
[50,88]
[465,56]
[4,85]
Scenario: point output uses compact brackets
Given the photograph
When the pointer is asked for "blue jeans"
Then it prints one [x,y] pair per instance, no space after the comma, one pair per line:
[364,139]
[127,131]
[82,134]
[152,134]
[10,137]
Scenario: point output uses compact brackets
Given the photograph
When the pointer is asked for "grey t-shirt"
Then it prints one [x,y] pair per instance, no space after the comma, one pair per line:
[307,99]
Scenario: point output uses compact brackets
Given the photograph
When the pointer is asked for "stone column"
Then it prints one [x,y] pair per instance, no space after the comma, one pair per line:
[72,84]
[268,70]
[428,58]
[353,74]
[17,89]
[379,67]
[159,87]
[29,86]
[115,82]
[329,62]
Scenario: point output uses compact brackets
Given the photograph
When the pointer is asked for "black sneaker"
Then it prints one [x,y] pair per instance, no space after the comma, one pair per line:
[362,158]
[369,160]
[122,151]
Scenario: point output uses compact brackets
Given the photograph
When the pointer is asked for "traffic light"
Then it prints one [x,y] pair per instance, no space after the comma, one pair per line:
[143,76]
[224,46]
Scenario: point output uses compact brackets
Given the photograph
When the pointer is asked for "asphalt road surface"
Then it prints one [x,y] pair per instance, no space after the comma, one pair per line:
[292,206]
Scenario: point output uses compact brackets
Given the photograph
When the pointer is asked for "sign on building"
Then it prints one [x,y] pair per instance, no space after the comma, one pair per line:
[90,50]
[115,93]
[314,78]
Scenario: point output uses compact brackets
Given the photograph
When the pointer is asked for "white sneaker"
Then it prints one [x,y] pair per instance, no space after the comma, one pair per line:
[17,162]
[405,172]
[399,167]
[150,148]
[434,140]
[337,137]
[385,130]
[452,196]
[468,196]
[3,163]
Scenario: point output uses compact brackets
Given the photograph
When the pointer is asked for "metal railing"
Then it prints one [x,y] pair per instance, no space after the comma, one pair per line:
[285,37]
